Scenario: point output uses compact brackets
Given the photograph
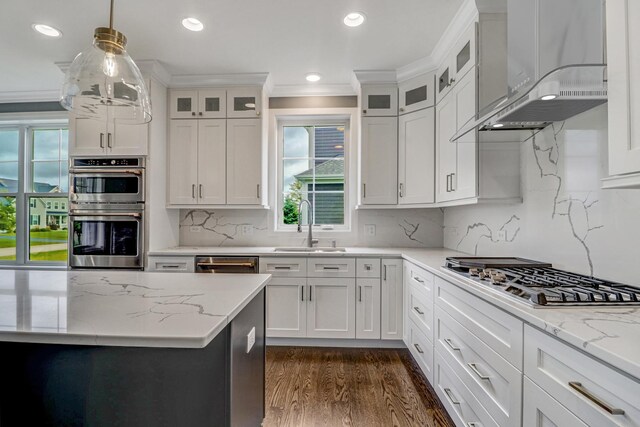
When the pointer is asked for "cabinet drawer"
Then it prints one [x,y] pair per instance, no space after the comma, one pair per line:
[584,385]
[540,409]
[493,381]
[284,267]
[422,278]
[332,267]
[172,264]
[420,310]
[422,350]
[499,330]
[462,406]
[368,267]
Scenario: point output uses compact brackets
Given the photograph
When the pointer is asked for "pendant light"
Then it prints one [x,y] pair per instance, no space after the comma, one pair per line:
[103,82]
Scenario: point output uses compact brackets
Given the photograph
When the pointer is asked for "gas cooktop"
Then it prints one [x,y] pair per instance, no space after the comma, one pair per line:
[540,285]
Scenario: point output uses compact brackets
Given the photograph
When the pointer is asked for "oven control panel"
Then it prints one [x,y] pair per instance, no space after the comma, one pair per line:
[105,162]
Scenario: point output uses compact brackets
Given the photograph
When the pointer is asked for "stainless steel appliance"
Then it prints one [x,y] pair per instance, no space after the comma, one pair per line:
[227,264]
[540,285]
[106,213]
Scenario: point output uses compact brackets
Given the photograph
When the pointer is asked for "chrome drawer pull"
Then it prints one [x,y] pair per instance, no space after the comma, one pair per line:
[417,309]
[473,424]
[282,267]
[418,348]
[331,268]
[475,370]
[419,280]
[601,403]
[451,397]
[170,266]
[450,344]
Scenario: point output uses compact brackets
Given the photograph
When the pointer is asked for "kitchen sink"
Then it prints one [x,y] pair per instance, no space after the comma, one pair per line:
[310,250]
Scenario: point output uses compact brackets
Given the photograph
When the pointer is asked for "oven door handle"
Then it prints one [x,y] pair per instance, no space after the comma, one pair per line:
[108,171]
[104,214]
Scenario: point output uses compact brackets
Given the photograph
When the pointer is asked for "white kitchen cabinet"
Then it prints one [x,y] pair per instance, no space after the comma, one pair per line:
[460,59]
[379,161]
[197,162]
[542,410]
[368,308]
[623,69]
[416,94]
[90,137]
[331,308]
[244,102]
[420,348]
[416,157]
[392,298]
[447,153]
[379,101]
[202,104]
[286,314]
[244,161]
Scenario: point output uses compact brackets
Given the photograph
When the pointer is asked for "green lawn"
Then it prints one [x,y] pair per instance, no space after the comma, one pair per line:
[50,256]
[36,238]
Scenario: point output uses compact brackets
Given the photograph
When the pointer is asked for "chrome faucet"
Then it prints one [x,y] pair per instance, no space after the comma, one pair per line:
[310,240]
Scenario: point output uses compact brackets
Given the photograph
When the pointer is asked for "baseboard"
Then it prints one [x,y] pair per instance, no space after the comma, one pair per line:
[332,342]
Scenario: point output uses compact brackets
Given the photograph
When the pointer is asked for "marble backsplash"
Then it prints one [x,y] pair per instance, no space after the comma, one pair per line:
[566,218]
[393,228]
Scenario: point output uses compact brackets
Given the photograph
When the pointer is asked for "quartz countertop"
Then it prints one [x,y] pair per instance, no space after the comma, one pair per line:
[612,334]
[121,308]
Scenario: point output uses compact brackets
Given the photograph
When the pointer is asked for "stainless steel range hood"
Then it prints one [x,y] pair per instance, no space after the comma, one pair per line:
[555,61]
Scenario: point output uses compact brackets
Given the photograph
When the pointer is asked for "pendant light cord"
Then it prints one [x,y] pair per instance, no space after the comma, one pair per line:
[111,16]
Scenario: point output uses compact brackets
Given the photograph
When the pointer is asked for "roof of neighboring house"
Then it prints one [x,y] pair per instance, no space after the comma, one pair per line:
[330,168]
[11,186]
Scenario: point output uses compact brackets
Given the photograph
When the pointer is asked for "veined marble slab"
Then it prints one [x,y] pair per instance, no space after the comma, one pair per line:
[118,308]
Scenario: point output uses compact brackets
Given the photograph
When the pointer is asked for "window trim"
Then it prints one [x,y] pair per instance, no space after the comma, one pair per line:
[24,193]
[315,120]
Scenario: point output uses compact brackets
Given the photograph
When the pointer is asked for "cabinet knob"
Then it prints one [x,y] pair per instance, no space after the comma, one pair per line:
[401,109]
[257,113]
[200,113]
[193,113]
[364,111]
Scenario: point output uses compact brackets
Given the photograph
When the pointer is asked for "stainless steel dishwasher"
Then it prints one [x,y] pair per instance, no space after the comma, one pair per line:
[227,264]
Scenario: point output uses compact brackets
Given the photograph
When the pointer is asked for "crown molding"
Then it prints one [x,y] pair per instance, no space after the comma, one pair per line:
[313,90]
[376,77]
[415,68]
[30,96]
[240,79]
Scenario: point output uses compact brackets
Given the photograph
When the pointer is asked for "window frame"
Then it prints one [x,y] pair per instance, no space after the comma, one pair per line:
[25,191]
[329,120]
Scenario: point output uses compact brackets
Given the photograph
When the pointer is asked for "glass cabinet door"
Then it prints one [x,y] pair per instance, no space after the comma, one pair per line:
[184,104]
[379,100]
[465,54]
[212,103]
[416,94]
[244,102]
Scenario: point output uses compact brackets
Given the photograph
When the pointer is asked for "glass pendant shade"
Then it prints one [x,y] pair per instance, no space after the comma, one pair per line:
[103,82]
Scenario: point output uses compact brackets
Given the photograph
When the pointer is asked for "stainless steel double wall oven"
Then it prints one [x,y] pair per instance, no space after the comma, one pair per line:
[106,202]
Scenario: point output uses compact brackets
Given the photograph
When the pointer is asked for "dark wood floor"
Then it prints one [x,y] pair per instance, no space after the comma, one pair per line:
[348,387]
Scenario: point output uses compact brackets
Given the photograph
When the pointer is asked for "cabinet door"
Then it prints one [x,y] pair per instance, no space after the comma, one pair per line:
[368,308]
[464,54]
[182,162]
[212,164]
[379,157]
[416,162]
[392,293]
[212,103]
[540,409]
[379,100]
[446,150]
[444,80]
[623,60]
[331,308]
[287,307]
[464,182]
[88,137]
[244,102]
[416,94]
[128,139]
[183,104]
[244,161]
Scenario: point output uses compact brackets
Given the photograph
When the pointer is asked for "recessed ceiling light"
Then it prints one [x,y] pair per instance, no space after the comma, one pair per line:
[313,77]
[354,19]
[192,24]
[498,125]
[548,97]
[47,30]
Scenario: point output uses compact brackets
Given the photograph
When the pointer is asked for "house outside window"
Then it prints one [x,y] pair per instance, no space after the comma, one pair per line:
[312,167]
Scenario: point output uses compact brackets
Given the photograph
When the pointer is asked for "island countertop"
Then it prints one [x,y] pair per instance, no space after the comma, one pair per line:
[121,308]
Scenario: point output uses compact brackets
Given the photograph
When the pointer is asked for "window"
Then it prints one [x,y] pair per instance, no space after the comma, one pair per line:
[33,215]
[312,162]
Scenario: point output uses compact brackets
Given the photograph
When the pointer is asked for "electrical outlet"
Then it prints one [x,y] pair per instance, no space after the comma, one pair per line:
[246,230]
[370,230]
[195,229]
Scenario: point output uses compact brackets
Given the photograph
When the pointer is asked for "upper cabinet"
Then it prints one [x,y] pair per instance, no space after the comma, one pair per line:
[90,137]
[245,102]
[416,93]
[461,58]
[379,161]
[191,104]
[623,60]
[379,100]
[416,158]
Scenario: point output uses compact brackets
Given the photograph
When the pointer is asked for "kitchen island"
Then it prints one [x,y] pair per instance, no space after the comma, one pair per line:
[131,348]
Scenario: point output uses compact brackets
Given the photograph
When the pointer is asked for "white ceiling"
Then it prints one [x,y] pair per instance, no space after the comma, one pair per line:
[287,38]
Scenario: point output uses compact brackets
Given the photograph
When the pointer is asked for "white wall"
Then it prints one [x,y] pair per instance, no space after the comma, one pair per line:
[566,218]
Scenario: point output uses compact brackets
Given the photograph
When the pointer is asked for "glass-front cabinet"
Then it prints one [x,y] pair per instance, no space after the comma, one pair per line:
[245,102]
[203,104]
[461,58]
[379,100]
[416,94]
